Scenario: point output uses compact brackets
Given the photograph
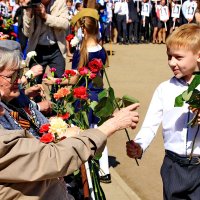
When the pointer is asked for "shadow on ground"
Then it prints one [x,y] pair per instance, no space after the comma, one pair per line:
[110,52]
[113,161]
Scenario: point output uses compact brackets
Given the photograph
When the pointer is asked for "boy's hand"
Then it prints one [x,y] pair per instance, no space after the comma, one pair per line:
[133,149]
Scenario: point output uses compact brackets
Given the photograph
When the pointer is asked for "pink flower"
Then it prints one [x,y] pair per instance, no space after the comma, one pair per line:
[45,76]
[92,75]
[52,69]
[58,81]
[83,71]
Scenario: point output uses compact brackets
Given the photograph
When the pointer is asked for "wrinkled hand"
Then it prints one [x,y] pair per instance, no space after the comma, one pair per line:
[36,90]
[72,132]
[49,81]
[37,70]
[45,106]
[133,149]
[125,118]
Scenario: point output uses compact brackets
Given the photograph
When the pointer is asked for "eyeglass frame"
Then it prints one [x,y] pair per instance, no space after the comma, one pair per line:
[15,76]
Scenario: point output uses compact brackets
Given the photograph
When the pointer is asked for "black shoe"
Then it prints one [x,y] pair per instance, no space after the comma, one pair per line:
[146,42]
[125,43]
[105,179]
[131,41]
[135,42]
[120,43]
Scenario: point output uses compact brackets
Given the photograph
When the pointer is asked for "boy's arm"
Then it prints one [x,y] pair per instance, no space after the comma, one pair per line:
[151,122]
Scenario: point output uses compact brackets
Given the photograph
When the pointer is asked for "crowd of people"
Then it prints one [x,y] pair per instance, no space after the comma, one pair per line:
[32,168]
[123,22]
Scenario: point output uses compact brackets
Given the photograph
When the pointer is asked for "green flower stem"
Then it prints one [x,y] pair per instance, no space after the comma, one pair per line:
[35,60]
[86,82]
[193,143]
[78,81]
[126,131]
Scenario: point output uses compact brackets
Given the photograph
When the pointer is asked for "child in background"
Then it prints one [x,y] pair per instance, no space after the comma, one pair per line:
[180,175]
[90,49]
[161,10]
[78,7]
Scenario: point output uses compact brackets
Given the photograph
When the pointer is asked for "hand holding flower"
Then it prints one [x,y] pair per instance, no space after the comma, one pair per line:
[36,90]
[45,106]
[125,118]
[49,80]
[37,70]
[72,132]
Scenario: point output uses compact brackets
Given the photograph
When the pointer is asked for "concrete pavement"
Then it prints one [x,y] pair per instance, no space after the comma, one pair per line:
[118,189]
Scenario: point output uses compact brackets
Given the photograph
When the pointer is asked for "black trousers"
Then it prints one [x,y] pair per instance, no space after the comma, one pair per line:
[49,56]
[122,28]
[180,182]
[144,30]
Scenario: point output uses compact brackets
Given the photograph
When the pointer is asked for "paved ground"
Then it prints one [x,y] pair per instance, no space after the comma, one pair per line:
[137,70]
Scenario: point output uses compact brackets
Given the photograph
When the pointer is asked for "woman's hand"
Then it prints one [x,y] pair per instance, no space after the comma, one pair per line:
[133,149]
[72,132]
[49,81]
[37,70]
[36,90]
[125,118]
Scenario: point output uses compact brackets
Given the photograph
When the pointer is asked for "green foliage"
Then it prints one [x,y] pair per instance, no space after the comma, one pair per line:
[98,82]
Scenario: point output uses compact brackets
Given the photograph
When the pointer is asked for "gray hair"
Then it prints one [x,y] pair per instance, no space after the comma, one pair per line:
[9,59]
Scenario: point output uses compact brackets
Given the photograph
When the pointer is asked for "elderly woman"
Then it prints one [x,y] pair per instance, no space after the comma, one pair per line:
[20,112]
[29,168]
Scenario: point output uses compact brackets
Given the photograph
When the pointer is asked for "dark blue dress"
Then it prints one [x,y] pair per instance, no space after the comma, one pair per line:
[94,52]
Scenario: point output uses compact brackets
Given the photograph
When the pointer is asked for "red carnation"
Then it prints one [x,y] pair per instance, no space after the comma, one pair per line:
[65,116]
[80,93]
[13,34]
[44,128]
[95,65]
[47,138]
[69,37]
[69,73]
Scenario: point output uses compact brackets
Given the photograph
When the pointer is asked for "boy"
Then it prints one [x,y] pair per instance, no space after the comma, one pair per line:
[180,176]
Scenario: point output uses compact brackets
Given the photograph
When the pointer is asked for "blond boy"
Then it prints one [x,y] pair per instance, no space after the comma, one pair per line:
[180,176]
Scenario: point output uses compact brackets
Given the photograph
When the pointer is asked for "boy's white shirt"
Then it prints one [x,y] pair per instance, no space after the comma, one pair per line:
[174,120]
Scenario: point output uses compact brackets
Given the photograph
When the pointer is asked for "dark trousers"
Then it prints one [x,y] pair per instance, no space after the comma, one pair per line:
[134,31]
[144,30]
[52,57]
[121,26]
[49,56]
[180,182]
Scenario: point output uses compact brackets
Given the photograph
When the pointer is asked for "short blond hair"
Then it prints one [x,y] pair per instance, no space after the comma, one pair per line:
[186,36]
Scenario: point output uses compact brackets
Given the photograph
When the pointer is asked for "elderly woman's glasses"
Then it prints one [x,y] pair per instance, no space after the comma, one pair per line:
[15,76]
